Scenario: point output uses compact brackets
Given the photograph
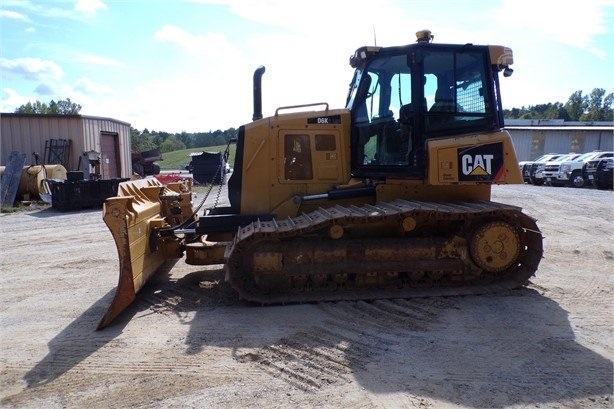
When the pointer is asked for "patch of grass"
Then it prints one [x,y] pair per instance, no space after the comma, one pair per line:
[174,160]
[9,210]
[26,206]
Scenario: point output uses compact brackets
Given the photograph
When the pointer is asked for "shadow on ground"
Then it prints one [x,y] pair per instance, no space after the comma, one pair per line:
[518,348]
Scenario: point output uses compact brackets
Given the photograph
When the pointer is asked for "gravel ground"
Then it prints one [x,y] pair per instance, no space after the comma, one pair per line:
[190,342]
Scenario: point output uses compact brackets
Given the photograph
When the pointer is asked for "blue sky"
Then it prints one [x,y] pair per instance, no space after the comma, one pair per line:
[187,65]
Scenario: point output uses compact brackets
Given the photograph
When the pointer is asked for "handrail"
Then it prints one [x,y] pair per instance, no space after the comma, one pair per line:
[301,106]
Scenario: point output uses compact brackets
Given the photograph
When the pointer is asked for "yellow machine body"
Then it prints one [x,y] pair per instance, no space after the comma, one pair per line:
[384,198]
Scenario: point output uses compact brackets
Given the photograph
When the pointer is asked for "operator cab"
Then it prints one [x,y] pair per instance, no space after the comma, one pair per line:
[402,96]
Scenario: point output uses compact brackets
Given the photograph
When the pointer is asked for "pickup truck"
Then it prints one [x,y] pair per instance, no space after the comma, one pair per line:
[545,171]
[604,177]
[527,168]
[598,171]
[569,172]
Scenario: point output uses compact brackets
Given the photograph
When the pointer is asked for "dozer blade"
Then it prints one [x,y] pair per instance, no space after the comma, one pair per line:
[135,217]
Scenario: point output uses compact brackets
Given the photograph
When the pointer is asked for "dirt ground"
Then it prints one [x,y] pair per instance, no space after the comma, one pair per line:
[190,342]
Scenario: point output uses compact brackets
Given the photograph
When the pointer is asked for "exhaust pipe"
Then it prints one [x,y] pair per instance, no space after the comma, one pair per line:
[258,93]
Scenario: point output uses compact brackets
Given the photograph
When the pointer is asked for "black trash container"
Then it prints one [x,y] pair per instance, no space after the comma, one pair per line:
[209,167]
[82,194]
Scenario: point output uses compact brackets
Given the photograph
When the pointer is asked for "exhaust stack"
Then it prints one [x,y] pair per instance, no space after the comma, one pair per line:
[258,93]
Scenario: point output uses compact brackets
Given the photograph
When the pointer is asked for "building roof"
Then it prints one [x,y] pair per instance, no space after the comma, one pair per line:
[100,118]
[561,128]
[557,125]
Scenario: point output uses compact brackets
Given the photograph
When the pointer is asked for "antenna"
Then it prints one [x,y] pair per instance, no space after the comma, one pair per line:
[374,35]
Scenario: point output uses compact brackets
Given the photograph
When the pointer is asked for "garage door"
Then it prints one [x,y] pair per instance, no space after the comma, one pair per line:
[109,148]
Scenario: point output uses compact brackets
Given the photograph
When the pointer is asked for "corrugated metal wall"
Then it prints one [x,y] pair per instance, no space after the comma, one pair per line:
[522,143]
[532,142]
[28,133]
[94,127]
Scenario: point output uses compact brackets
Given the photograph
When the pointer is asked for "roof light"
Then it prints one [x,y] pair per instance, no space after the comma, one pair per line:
[424,36]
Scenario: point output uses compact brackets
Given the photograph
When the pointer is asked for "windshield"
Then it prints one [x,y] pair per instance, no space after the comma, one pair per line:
[403,96]
[383,115]
[547,158]
[565,158]
[584,157]
[388,87]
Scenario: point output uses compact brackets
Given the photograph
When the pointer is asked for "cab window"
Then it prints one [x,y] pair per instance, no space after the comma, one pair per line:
[381,119]
[455,90]
[297,157]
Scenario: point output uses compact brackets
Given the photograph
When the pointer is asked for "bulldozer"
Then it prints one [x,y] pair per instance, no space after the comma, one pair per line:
[389,197]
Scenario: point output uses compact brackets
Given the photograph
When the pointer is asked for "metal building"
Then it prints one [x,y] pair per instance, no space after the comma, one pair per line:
[533,138]
[64,139]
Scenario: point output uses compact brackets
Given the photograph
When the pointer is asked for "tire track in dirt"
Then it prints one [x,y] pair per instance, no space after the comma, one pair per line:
[594,288]
[355,333]
[309,360]
[392,316]
[159,357]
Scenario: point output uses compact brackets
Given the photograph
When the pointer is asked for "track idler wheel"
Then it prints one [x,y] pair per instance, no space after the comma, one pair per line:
[495,246]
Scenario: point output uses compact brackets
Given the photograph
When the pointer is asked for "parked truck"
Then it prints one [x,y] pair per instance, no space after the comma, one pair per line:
[597,171]
[144,163]
[569,172]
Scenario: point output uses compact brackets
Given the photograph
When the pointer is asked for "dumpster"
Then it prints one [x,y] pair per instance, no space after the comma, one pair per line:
[82,194]
[209,168]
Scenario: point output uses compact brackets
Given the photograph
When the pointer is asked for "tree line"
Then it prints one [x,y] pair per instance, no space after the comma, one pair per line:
[62,107]
[141,140]
[596,106]
[168,142]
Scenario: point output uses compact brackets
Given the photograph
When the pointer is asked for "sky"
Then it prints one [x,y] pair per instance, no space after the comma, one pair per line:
[187,65]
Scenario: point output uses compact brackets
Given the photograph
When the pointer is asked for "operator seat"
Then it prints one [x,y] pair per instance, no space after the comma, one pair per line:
[444,101]
[443,110]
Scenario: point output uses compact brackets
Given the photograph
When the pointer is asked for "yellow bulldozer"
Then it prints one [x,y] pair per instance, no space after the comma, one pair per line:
[389,197]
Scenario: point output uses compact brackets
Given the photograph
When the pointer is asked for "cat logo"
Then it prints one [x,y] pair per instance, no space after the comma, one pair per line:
[478,165]
[481,163]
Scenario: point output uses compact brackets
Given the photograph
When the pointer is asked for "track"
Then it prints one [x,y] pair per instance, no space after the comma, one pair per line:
[398,249]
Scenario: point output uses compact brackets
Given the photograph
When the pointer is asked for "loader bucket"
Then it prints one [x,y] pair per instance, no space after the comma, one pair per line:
[134,218]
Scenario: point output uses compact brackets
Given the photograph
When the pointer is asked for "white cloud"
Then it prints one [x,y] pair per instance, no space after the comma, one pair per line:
[89,7]
[81,8]
[14,15]
[11,100]
[306,63]
[31,68]
[98,60]
[211,43]
[570,24]
[91,88]
[44,89]
[202,97]
[40,9]
[202,79]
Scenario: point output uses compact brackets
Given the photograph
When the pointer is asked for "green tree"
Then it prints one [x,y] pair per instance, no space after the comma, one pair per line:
[172,143]
[576,105]
[61,107]
[141,141]
[598,106]
[187,139]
